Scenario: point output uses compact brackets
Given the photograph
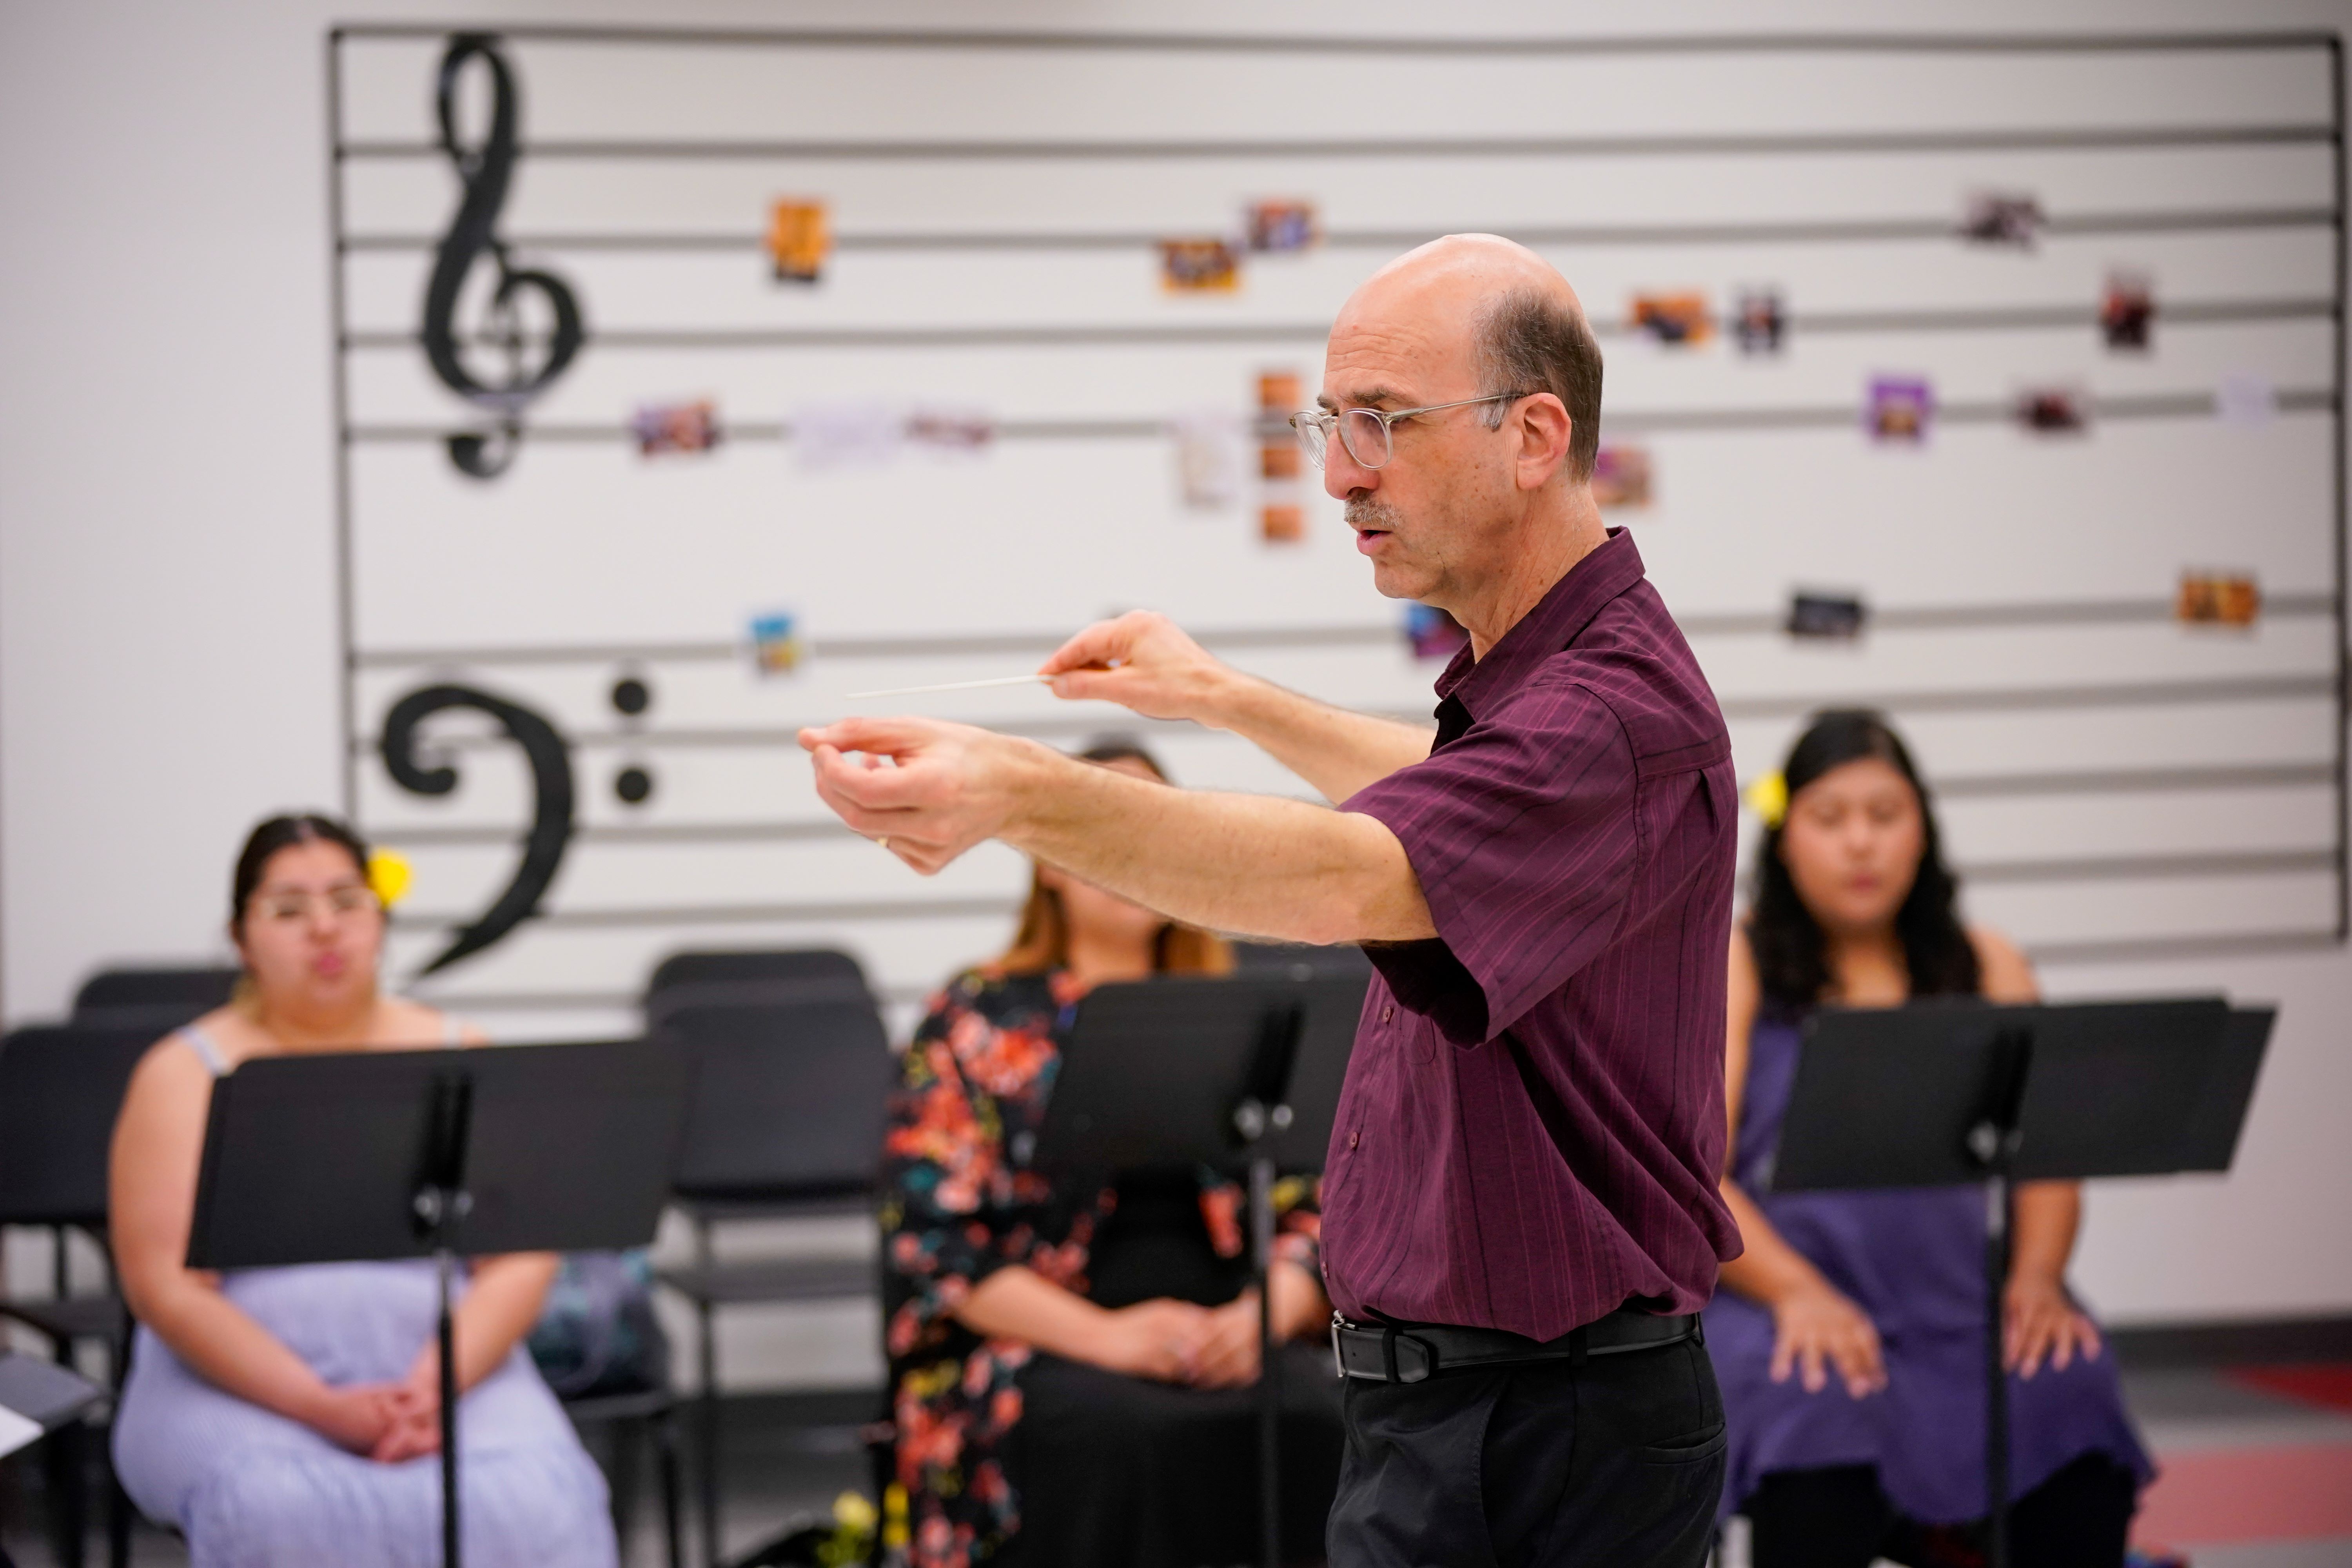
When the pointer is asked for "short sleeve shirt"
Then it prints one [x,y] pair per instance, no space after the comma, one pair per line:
[1532,1132]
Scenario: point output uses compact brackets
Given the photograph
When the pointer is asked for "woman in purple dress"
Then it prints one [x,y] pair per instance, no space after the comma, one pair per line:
[1849,1337]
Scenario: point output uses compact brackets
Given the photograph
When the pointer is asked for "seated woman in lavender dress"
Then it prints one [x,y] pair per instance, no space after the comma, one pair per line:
[291,1417]
[1848,1339]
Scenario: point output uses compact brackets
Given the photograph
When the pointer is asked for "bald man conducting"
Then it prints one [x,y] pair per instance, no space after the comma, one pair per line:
[1520,1218]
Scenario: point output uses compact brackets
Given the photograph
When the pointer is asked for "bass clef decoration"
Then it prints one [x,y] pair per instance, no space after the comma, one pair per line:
[550,820]
[486,171]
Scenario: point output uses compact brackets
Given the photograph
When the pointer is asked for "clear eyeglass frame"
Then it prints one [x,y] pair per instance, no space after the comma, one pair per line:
[1368,433]
[342,903]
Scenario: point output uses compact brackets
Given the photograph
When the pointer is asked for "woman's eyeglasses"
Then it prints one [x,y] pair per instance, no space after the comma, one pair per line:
[1367,432]
[341,904]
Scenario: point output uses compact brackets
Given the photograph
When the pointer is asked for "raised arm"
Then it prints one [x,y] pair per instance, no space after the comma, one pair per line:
[1143,662]
[1249,864]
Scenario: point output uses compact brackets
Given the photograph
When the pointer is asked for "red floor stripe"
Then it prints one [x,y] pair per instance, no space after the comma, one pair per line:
[2326,1384]
[2287,1492]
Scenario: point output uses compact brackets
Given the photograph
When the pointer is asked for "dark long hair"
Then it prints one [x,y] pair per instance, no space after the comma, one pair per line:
[1788,942]
[283,833]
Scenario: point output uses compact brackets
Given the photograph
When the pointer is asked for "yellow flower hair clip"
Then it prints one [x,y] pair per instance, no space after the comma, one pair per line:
[388,876]
[1768,797]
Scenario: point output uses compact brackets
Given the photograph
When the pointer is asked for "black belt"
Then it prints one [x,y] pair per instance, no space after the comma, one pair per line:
[1410,1353]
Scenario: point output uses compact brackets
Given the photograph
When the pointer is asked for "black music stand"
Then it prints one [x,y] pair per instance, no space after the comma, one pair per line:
[38,1399]
[1945,1093]
[1209,1072]
[370,1155]
[43,1394]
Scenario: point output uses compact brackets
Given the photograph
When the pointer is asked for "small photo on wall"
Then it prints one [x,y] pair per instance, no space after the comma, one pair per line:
[1282,522]
[1899,409]
[800,238]
[1758,320]
[948,432]
[2011,218]
[1275,226]
[1826,617]
[662,427]
[2218,599]
[1621,476]
[2053,410]
[776,642]
[1200,266]
[2128,311]
[1433,632]
[1679,319]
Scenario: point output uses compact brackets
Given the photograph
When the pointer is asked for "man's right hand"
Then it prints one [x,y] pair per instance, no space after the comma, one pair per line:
[1152,1339]
[1815,1327]
[1142,661]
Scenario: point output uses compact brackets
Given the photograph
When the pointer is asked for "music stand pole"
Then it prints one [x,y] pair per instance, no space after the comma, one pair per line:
[1266,1123]
[1992,1144]
[442,1202]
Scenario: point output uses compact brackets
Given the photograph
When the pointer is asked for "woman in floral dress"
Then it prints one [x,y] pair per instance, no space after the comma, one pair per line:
[1072,1371]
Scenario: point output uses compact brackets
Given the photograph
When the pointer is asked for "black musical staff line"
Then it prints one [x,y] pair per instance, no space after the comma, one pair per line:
[1638,422]
[1149,334]
[1225,640]
[2055,226]
[1831,143]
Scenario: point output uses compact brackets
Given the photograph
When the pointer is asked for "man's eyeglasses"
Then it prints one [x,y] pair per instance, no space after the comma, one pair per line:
[1366,432]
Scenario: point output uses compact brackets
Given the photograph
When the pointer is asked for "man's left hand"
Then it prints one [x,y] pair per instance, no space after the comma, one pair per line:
[924,790]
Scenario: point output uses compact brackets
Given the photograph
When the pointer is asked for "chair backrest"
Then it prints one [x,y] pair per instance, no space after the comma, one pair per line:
[775,979]
[1261,957]
[788,1096]
[795,965]
[60,1086]
[160,999]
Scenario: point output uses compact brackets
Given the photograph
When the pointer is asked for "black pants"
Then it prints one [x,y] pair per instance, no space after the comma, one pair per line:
[1121,1472]
[1838,1518]
[1616,1463]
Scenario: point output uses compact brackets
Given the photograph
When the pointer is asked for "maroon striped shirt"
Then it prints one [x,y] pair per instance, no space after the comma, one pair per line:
[1533,1122]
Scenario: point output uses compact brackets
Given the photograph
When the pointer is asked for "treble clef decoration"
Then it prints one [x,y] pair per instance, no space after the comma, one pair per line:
[550,821]
[486,171]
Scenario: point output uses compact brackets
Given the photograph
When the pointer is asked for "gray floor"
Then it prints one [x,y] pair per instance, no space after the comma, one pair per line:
[787,1459]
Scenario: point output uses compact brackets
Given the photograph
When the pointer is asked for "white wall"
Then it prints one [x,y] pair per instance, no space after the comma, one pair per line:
[167,634]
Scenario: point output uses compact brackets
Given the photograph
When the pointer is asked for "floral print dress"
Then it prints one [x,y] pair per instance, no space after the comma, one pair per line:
[959,1202]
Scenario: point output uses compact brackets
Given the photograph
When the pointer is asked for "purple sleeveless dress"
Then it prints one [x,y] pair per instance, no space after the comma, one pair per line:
[1912,1258]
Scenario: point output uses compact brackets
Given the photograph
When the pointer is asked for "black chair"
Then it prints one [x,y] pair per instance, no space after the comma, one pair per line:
[1276,957]
[157,999]
[652,1411]
[791,1071]
[60,1086]
[786,976]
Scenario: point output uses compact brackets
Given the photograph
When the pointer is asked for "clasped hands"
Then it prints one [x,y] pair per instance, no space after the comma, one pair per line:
[1206,1347]
[387,1422]
[928,790]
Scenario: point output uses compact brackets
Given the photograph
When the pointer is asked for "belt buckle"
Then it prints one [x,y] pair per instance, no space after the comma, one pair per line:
[1339,1361]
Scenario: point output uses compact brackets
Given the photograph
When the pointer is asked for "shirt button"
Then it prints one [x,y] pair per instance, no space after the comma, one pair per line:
[1353,1138]
[1387,1012]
